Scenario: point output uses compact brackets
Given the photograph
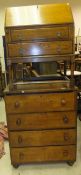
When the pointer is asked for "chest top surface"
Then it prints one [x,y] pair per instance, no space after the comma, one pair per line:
[38,15]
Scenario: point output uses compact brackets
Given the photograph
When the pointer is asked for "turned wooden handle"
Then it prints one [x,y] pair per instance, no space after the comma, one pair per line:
[66,137]
[17,104]
[63,101]
[21,51]
[20,139]
[18,122]
[20,37]
[59,34]
[58,49]
[65,119]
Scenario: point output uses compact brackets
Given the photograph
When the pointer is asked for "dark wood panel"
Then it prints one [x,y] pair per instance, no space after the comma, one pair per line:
[36,121]
[40,102]
[43,154]
[39,48]
[42,138]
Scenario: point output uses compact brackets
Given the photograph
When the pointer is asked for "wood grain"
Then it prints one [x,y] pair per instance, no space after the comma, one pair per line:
[42,138]
[40,102]
[38,15]
[43,154]
[39,48]
[43,33]
[44,120]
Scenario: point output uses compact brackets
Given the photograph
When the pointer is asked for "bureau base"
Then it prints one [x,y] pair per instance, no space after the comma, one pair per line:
[43,155]
[42,127]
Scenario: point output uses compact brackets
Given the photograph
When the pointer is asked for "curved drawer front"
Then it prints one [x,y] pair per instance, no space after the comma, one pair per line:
[36,121]
[39,48]
[40,102]
[43,154]
[42,138]
[43,33]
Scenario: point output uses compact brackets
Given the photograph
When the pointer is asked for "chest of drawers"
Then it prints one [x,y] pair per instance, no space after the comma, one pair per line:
[42,127]
[41,117]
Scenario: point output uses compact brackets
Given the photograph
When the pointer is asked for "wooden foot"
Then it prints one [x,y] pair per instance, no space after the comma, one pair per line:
[16,166]
[70,163]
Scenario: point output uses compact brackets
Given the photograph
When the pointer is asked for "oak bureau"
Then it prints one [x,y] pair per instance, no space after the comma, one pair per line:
[41,114]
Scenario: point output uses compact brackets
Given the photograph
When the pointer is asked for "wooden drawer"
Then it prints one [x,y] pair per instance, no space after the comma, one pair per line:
[35,121]
[42,138]
[39,48]
[43,154]
[40,102]
[25,34]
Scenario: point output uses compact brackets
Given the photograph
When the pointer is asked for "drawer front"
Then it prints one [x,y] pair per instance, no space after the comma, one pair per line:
[23,34]
[39,48]
[35,121]
[40,102]
[43,154]
[42,138]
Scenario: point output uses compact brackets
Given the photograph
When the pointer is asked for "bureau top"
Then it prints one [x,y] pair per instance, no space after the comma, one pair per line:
[38,15]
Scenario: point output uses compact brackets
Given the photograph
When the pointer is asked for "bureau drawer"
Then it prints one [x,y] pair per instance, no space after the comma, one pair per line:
[39,48]
[43,154]
[36,121]
[42,138]
[24,34]
[40,102]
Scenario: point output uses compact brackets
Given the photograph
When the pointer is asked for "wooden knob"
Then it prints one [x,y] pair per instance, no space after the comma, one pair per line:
[19,139]
[65,119]
[18,122]
[63,101]
[46,46]
[58,49]
[20,37]
[65,153]
[17,104]
[66,137]
[59,34]
[21,51]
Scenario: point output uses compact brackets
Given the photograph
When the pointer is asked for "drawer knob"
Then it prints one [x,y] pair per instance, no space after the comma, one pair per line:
[65,119]
[17,104]
[21,51]
[20,37]
[19,139]
[65,153]
[59,34]
[21,155]
[18,122]
[63,101]
[66,137]
[58,49]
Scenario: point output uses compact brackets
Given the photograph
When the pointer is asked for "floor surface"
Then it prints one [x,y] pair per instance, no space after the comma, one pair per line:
[42,169]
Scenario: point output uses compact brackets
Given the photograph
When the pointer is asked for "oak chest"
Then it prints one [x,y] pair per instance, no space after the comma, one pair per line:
[42,127]
[41,117]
